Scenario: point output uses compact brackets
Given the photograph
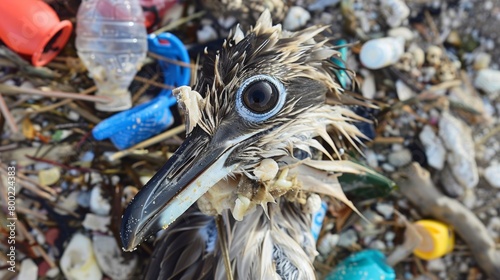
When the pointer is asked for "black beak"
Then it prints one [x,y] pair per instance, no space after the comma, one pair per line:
[198,164]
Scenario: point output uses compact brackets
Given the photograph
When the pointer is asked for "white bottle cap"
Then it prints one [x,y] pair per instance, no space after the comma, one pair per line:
[379,53]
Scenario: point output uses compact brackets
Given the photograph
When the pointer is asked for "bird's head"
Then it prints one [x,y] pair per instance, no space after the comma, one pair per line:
[260,97]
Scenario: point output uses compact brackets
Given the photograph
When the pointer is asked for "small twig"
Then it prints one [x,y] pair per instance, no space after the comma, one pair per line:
[144,87]
[67,167]
[172,61]
[151,141]
[179,22]
[7,115]
[223,244]
[152,83]
[60,103]
[13,90]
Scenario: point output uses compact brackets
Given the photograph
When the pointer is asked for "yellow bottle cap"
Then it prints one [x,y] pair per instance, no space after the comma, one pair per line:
[438,239]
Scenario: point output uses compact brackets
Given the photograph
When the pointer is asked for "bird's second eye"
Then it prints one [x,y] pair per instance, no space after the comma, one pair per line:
[259,98]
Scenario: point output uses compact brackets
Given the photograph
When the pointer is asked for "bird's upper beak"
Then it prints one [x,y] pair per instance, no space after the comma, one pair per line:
[198,164]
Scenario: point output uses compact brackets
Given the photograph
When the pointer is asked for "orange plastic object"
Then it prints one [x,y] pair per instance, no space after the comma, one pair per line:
[32,28]
[438,239]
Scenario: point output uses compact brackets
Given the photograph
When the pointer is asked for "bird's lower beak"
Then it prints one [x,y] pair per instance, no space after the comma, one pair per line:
[197,165]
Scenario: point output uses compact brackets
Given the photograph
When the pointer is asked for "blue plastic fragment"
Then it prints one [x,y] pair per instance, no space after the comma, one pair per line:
[363,265]
[317,220]
[339,71]
[130,127]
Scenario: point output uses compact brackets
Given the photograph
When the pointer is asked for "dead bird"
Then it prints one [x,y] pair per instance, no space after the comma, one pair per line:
[257,102]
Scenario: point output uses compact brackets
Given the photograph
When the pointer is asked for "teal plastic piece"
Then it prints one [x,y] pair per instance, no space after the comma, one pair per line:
[364,265]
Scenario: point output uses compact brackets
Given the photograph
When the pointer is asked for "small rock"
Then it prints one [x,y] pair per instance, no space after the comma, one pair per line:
[385,209]
[111,258]
[97,223]
[296,18]
[29,270]
[99,204]
[387,167]
[404,92]
[436,265]
[389,236]
[402,32]
[49,176]
[463,267]
[400,158]
[68,203]
[371,158]
[347,238]
[368,88]
[327,243]
[434,149]
[494,227]
[482,61]
[395,11]
[457,138]
[378,245]
[488,80]
[492,175]
[78,260]
[206,33]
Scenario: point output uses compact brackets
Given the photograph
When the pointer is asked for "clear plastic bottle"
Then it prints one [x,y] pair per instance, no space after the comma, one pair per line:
[112,43]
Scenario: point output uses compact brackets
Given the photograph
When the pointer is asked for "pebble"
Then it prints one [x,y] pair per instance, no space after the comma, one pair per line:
[296,18]
[389,236]
[78,260]
[482,61]
[97,223]
[488,80]
[403,32]
[206,33]
[387,167]
[404,92]
[378,245]
[371,158]
[463,267]
[320,5]
[327,243]
[29,270]
[492,175]
[69,202]
[99,204]
[368,88]
[347,238]
[494,227]
[457,138]
[385,209]
[434,149]
[400,158]
[49,176]
[111,258]
[395,11]
[436,265]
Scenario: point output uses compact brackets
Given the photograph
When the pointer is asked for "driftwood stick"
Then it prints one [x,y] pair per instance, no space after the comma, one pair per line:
[417,186]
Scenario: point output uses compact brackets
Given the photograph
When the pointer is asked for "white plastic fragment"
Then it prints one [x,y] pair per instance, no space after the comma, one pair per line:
[492,175]
[111,259]
[395,11]
[206,34]
[97,223]
[434,149]
[400,158]
[29,270]
[78,260]
[99,204]
[296,18]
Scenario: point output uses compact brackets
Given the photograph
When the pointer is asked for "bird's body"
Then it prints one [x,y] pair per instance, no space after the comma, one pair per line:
[257,102]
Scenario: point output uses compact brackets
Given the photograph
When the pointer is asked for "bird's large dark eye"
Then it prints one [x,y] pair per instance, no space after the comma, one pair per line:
[260,97]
